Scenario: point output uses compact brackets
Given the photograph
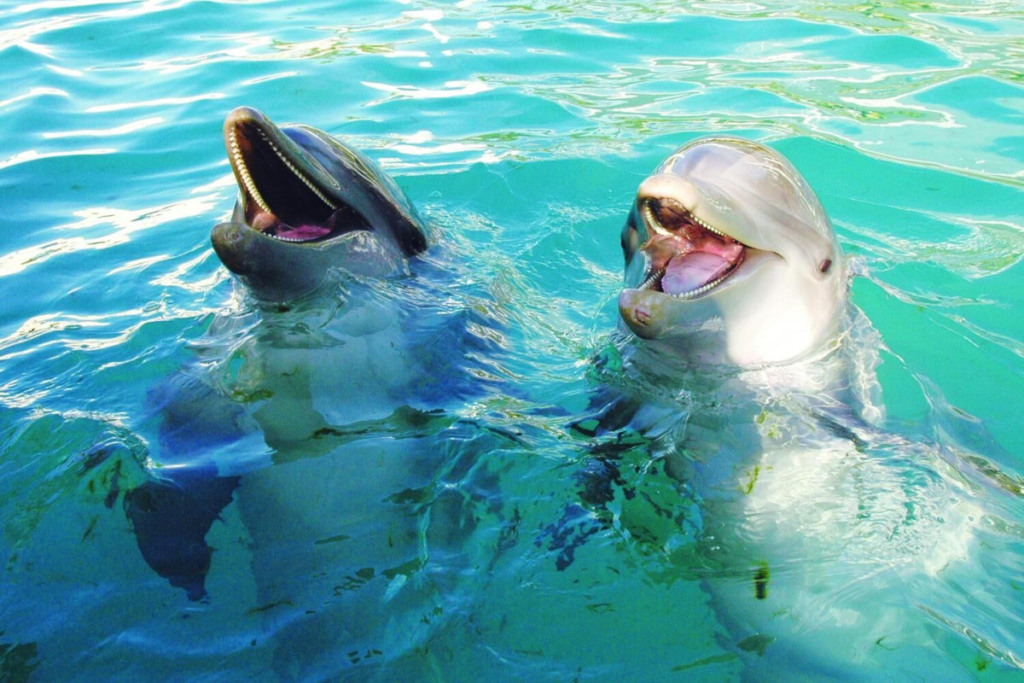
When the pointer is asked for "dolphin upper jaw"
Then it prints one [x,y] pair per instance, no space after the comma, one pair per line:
[284,190]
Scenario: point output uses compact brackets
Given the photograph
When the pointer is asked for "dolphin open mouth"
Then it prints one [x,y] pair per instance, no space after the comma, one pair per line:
[688,257]
[282,189]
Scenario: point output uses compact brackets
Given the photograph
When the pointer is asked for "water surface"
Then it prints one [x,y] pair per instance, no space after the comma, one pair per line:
[521,131]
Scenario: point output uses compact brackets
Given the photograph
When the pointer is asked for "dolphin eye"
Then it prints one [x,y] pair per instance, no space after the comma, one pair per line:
[824,266]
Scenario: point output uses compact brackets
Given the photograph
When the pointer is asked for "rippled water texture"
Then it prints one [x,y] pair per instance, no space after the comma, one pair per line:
[521,131]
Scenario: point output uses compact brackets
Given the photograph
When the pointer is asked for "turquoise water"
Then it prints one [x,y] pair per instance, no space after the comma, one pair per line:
[521,131]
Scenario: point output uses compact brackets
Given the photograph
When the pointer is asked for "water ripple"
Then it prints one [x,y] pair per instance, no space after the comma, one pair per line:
[521,130]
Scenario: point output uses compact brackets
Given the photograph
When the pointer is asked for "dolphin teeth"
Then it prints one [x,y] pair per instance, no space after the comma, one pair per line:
[653,221]
[656,225]
[707,227]
[653,279]
[703,289]
[250,184]
[247,180]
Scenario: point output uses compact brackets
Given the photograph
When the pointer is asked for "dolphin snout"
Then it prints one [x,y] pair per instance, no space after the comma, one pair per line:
[639,311]
[229,240]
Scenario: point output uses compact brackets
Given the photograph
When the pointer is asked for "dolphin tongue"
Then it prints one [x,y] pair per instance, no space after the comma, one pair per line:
[687,272]
[300,233]
[272,225]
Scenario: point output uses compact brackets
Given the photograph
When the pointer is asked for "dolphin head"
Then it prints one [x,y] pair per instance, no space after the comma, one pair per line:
[730,257]
[308,205]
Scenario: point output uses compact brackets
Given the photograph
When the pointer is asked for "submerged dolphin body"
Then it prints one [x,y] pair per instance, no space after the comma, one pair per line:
[753,378]
[320,408]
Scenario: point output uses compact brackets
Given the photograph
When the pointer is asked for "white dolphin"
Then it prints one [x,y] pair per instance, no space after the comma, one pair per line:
[826,548]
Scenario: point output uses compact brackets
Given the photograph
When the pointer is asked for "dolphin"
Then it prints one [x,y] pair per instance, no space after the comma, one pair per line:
[309,209]
[319,411]
[752,376]
[308,205]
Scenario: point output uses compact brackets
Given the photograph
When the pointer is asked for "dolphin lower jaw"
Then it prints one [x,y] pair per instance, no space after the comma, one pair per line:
[642,313]
[651,313]
[231,242]
[273,269]
[694,331]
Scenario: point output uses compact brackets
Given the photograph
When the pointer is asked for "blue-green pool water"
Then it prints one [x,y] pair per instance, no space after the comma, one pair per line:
[521,131]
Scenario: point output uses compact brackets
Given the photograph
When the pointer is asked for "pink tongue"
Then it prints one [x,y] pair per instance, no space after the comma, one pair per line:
[687,272]
[301,233]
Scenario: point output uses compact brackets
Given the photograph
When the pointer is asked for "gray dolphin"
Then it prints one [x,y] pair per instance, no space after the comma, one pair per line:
[323,429]
[313,418]
[730,255]
[309,208]
[308,205]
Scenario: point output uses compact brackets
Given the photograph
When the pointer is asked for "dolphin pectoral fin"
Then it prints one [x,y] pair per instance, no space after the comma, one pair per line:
[172,513]
[194,417]
[607,412]
[171,518]
[599,479]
